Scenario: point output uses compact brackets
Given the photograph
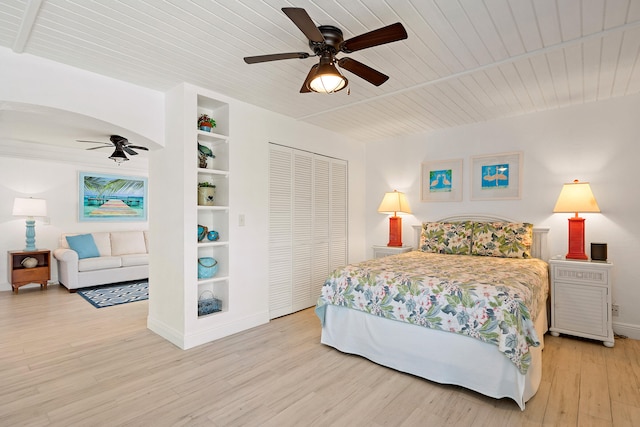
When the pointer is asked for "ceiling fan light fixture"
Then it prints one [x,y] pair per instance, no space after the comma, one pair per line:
[118,156]
[327,79]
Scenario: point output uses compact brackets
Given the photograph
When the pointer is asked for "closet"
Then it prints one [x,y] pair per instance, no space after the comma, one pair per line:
[307,225]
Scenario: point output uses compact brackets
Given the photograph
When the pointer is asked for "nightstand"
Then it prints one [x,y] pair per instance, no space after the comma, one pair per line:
[581,299]
[20,276]
[380,251]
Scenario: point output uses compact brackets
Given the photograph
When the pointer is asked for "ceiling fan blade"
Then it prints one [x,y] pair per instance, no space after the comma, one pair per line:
[388,34]
[275,57]
[138,147]
[128,150]
[94,142]
[305,85]
[303,21]
[97,148]
[364,71]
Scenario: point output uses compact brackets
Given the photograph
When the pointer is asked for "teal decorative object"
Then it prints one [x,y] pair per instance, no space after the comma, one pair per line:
[203,149]
[207,267]
[202,232]
[213,235]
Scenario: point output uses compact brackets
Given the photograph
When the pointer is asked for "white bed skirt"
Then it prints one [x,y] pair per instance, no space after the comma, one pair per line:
[443,357]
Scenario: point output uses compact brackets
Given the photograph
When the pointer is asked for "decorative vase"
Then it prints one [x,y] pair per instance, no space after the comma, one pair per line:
[206,195]
[213,235]
[205,128]
[202,232]
[207,267]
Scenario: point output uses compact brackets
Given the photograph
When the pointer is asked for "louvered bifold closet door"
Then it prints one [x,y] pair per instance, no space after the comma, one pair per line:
[280,230]
[302,228]
[338,214]
[321,170]
[307,226]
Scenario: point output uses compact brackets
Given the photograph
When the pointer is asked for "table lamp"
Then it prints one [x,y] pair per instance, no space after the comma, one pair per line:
[30,208]
[576,197]
[392,203]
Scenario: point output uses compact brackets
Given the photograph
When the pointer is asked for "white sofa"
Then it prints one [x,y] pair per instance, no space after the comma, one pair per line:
[124,256]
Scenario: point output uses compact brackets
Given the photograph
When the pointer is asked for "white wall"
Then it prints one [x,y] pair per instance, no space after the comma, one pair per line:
[597,142]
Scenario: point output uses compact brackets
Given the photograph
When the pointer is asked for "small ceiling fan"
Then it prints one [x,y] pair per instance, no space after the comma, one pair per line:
[122,146]
[326,41]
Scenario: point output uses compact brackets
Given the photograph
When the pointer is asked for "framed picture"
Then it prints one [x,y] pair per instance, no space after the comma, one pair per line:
[112,197]
[441,181]
[496,176]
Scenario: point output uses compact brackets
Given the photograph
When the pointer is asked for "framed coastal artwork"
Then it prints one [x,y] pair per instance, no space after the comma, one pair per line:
[496,176]
[112,197]
[441,181]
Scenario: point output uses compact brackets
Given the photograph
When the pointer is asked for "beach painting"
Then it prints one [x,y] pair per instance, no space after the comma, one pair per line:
[440,180]
[495,176]
[112,197]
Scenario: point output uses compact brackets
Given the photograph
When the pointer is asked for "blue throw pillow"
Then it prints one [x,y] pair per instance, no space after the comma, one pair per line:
[84,245]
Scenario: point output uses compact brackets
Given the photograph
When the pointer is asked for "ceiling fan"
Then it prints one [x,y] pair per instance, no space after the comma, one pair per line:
[326,41]
[122,146]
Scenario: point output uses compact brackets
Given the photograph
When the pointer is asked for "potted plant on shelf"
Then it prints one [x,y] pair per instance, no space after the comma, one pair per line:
[206,193]
[206,123]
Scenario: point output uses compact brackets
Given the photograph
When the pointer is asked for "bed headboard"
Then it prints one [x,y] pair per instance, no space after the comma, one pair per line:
[539,246]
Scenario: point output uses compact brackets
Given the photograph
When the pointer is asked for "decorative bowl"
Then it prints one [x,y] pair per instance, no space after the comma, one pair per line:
[29,262]
[207,267]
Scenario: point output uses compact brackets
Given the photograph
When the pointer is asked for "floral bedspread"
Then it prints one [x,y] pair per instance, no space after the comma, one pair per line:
[491,299]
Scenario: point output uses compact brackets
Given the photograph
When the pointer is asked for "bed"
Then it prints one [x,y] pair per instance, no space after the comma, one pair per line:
[468,307]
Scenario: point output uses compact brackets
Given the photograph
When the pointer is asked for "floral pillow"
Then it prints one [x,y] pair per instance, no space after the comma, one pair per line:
[446,237]
[502,239]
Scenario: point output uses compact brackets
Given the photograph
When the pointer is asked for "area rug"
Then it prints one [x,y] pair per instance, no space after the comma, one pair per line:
[117,293]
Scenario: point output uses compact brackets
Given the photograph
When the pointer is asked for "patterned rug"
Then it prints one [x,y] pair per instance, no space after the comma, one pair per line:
[117,293]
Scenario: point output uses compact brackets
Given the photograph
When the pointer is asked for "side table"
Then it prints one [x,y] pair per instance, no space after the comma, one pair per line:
[380,251]
[581,299]
[20,276]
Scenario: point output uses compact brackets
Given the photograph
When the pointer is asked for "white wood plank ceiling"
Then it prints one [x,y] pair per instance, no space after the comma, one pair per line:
[464,61]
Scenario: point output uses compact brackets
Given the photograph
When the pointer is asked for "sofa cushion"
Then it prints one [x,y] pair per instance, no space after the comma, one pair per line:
[134,259]
[84,245]
[127,242]
[103,242]
[100,263]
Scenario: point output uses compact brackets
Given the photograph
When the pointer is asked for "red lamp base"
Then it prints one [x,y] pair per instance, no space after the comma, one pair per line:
[395,231]
[576,239]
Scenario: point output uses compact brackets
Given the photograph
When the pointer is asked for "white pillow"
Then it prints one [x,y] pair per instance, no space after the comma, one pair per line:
[127,242]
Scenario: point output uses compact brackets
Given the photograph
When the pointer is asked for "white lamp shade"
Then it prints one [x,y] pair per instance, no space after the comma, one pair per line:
[576,197]
[29,207]
[394,202]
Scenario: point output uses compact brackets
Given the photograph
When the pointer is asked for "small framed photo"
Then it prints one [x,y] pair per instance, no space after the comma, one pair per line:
[441,181]
[496,176]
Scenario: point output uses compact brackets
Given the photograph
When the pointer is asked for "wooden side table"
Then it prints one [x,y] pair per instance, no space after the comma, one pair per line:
[20,276]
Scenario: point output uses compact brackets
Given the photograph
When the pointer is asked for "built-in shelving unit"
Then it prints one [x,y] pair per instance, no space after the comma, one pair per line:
[214,217]
[174,174]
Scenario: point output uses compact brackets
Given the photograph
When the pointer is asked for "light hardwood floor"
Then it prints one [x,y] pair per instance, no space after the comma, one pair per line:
[65,363]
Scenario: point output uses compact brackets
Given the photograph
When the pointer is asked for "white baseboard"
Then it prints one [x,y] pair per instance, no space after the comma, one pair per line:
[627,329]
[212,328]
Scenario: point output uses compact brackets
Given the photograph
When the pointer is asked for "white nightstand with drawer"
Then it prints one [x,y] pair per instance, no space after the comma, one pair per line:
[581,299]
[380,251]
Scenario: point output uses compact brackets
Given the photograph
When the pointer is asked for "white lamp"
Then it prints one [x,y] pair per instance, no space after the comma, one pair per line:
[393,203]
[30,208]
